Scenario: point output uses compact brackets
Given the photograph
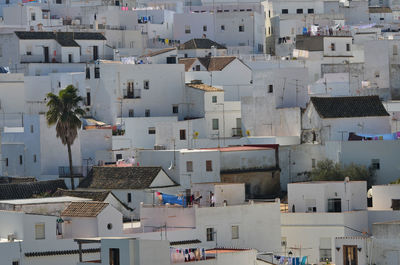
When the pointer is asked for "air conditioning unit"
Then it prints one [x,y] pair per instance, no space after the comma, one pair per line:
[11,237]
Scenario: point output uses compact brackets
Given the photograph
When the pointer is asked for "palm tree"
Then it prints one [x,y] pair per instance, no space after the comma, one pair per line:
[64,111]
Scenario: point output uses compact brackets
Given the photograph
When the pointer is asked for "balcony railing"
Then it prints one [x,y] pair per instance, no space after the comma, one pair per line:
[237,132]
[135,93]
[64,172]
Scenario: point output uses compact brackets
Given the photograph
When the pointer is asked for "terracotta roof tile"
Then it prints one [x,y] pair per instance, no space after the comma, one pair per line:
[28,190]
[188,62]
[84,209]
[205,87]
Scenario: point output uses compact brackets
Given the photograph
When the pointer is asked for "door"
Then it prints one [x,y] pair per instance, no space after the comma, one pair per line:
[46,54]
[70,58]
[350,255]
[95,53]
[114,256]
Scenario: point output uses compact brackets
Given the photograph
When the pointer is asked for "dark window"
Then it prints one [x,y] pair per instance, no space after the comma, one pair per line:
[16,262]
[147,113]
[189,166]
[131,113]
[114,256]
[396,204]
[215,124]
[310,11]
[87,73]
[129,197]
[70,58]
[299,11]
[88,98]
[118,156]
[171,60]
[34,158]
[334,205]
[270,88]
[182,134]
[198,67]
[95,53]
[96,72]
[175,109]
[146,84]
[31,128]
[20,159]
[348,47]
[208,165]
[214,99]
[269,13]
[58,1]
[7,2]
[333,48]
[204,28]
[210,234]
[375,163]
[222,27]
[33,16]
[381,18]
[152,130]
[285,11]
[6,162]
[109,226]
[241,28]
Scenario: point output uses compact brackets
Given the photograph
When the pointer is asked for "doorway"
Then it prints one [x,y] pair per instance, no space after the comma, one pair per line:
[350,255]
[95,53]
[46,54]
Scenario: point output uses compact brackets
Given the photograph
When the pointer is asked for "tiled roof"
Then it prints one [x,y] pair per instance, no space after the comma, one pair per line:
[348,107]
[200,44]
[216,63]
[210,63]
[185,242]
[89,194]
[205,87]
[151,54]
[188,62]
[84,209]
[380,10]
[7,180]
[112,177]
[29,189]
[63,38]
[61,252]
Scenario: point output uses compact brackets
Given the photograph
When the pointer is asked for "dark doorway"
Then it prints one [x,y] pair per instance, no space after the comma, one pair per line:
[350,255]
[46,54]
[95,53]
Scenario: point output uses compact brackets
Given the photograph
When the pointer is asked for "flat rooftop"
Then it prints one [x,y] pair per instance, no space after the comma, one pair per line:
[45,200]
[239,148]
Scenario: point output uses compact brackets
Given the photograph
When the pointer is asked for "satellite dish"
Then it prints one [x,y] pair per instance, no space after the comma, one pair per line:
[171,166]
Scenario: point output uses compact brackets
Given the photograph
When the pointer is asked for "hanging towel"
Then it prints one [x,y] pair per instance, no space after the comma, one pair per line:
[304,260]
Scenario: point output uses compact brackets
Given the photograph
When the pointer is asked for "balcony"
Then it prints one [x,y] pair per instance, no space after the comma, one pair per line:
[64,172]
[134,93]
[237,132]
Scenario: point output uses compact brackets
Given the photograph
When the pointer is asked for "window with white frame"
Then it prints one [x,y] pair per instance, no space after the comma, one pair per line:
[40,231]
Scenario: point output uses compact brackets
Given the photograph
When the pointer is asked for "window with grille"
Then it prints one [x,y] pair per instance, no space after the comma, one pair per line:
[189,166]
[208,165]
[235,231]
[152,130]
[39,231]
[215,124]
[214,99]
[182,134]
[210,234]
[146,84]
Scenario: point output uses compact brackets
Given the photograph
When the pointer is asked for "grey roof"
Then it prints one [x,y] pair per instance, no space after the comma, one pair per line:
[200,44]
[29,189]
[63,38]
[96,195]
[348,107]
[310,43]
[112,177]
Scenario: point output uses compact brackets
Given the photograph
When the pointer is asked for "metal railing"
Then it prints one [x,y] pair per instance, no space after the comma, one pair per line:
[135,93]
[77,171]
[237,132]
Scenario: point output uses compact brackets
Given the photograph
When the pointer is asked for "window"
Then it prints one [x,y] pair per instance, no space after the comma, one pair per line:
[197,67]
[396,204]
[395,48]
[20,160]
[310,11]
[285,11]
[33,16]
[182,134]
[215,124]
[152,130]
[96,72]
[377,74]
[375,164]
[208,165]
[31,127]
[8,2]
[269,13]
[325,249]
[129,198]
[241,28]
[299,11]
[381,18]
[348,48]
[34,158]
[235,231]
[175,109]
[189,166]
[70,58]
[147,113]
[87,73]
[333,47]
[1,51]
[270,88]
[88,99]
[214,99]
[114,256]
[187,29]
[131,113]
[58,1]
[6,162]
[129,89]
[313,162]
[335,205]
[210,234]
[109,226]
[118,157]
[131,44]
[15,262]
[283,241]
[146,84]
[39,231]
[222,27]
[204,28]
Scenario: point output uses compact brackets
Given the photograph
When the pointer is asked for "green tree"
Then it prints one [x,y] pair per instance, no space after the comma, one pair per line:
[331,171]
[65,112]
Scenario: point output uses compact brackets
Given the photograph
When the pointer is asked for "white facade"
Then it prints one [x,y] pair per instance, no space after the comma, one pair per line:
[382,196]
